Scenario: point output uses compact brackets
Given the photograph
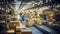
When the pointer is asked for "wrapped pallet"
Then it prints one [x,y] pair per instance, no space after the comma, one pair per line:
[29,22]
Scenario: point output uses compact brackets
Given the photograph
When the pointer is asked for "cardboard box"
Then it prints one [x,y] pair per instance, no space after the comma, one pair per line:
[49,20]
[29,23]
[18,32]
[12,26]
[19,28]
[26,32]
[16,23]
[16,19]
[13,19]
[10,31]
[38,22]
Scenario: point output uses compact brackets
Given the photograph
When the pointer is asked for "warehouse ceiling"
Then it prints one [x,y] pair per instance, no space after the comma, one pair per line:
[29,4]
[26,4]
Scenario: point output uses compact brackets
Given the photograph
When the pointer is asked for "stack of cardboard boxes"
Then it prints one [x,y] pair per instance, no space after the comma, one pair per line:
[31,15]
[17,25]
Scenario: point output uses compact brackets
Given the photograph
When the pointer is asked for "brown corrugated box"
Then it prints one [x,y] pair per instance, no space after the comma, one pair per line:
[49,17]
[10,31]
[38,22]
[13,24]
[19,28]
[18,32]
[26,32]
[16,23]
[29,23]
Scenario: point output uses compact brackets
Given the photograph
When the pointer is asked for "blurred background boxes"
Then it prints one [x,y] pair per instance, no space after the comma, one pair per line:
[2,17]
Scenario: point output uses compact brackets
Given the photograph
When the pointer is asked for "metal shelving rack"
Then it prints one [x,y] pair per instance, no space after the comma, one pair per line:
[3,16]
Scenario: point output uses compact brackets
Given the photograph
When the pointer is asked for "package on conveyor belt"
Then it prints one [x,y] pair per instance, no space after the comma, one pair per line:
[36,16]
[49,21]
[29,22]
[26,31]
[40,11]
[27,14]
[23,12]
[38,21]
[49,17]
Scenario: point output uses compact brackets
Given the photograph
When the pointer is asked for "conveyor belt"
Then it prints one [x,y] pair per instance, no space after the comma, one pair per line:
[34,30]
[42,28]
[46,29]
[53,27]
